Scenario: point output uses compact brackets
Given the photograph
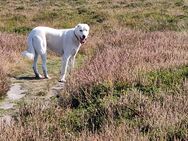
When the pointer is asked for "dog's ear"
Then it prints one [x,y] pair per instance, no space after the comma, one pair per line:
[87,26]
[78,25]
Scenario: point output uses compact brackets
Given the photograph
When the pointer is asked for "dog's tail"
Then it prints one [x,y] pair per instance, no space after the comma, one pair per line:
[30,52]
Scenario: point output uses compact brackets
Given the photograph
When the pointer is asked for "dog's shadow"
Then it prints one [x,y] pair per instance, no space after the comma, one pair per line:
[28,78]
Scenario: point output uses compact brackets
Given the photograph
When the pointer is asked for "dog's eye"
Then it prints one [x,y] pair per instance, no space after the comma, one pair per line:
[81,30]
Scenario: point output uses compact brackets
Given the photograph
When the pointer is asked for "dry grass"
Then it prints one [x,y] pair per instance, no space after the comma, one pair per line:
[122,59]
[10,48]
[125,54]
[21,16]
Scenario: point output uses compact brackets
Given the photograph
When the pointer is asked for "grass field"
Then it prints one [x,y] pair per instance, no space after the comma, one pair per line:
[130,82]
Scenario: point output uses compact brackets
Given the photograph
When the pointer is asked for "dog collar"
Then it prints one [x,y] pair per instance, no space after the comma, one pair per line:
[76,36]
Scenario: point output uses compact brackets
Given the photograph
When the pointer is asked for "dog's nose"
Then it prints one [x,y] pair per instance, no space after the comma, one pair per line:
[83,36]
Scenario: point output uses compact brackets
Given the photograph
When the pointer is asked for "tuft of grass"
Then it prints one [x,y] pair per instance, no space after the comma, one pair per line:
[153,21]
[10,47]
[22,30]
[168,79]
[4,84]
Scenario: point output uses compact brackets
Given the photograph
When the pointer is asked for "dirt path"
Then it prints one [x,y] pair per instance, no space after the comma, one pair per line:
[25,89]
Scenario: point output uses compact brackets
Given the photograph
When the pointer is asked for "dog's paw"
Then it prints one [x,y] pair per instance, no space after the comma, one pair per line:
[62,80]
[39,76]
[47,77]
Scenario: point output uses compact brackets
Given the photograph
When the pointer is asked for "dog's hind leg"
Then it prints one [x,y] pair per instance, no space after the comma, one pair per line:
[44,67]
[40,48]
[37,74]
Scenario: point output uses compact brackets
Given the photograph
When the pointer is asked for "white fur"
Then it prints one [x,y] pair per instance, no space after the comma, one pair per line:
[29,55]
[65,42]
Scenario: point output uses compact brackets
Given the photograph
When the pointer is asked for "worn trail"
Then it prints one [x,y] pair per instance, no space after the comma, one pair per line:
[25,89]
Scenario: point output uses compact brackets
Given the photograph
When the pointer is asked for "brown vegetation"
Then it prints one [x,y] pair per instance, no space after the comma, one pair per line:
[123,55]
[10,48]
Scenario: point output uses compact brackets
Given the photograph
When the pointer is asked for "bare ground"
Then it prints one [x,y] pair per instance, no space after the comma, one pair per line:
[26,89]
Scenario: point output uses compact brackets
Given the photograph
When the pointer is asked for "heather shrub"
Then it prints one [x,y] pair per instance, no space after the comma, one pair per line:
[10,48]
[3,82]
[128,74]
[125,56]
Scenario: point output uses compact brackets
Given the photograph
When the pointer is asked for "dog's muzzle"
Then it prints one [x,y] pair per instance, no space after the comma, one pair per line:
[83,39]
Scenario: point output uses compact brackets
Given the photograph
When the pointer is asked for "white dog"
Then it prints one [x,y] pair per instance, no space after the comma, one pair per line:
[65,42]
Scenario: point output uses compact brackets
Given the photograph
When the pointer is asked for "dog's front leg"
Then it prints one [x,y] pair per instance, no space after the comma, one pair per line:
[72,59]
[64,66]
[72,63]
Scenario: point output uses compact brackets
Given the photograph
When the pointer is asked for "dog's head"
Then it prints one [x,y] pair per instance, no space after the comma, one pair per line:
[81,32]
